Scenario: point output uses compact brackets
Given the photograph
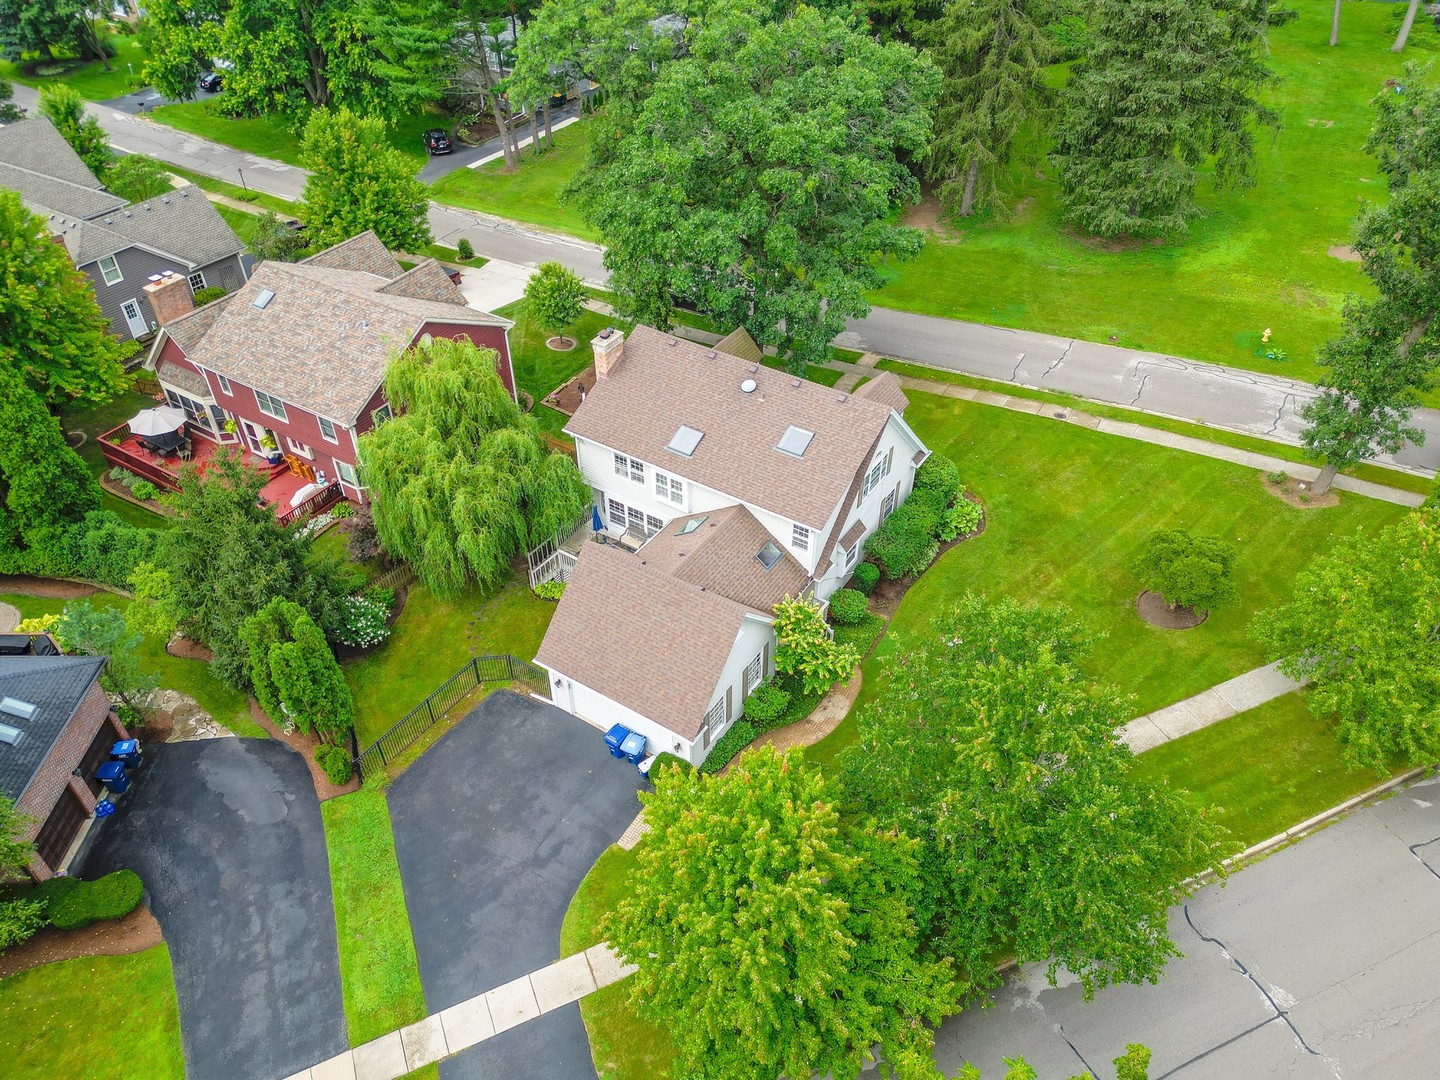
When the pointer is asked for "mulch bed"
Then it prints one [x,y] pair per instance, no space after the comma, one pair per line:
[305,746]
[561,344]
[1297,493]
[134,933]
[566,398]
[1153,609]
[52,588]
[186,649]
[886,596]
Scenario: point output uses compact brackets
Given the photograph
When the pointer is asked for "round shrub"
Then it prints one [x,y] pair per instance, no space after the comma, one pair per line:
[766,703]
[144,490]
[848,607]
[335,760]
[464,248]
[362,622]
[111,897]
[667,760]
[208,294]
[939,474]
[866,577]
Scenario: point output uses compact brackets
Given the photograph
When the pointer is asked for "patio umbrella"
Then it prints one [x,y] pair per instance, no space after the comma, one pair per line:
[158,421]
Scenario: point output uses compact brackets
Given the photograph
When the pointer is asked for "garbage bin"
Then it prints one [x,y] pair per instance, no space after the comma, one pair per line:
[614,737]
[112,775]
[633,748]
[104,808]
[127,752]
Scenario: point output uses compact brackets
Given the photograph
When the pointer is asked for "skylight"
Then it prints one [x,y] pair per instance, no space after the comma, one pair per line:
[10,735]
[769,555]
[685,440]
[262,298]
[794,441]
[15,707]
[690,526]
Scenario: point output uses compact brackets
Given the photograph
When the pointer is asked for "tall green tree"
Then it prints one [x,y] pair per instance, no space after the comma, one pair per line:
[461,480]
[773,937]
[1187,570]
[991,55]
[65,108]
[378,57]
[294,671]
[758,178]
[555,297]
[53,28]
[51,330]
[1388,352]
[44,486]
[1364,626]
[1164,87]
[97,631]
[1037,840]
[359,181]
[138,178]
[9,111]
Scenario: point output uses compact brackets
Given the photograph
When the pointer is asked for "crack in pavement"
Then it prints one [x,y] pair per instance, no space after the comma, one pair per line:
[1415,850]
[1058,361]
[1144,379]
[1217,1047]
[1015,375]
[1060,1030]
[1288,399]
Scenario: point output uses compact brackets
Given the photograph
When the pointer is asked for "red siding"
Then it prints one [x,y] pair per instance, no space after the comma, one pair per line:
[489,337]
[173,354]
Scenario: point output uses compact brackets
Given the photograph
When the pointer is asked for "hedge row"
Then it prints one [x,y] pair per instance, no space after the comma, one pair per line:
[937,510]
[101,546]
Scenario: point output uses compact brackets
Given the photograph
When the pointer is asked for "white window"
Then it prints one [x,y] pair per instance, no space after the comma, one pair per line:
[630,468]
[617,513]
[630,517]
[197,282]
[850,556]
[800,538]
[299,448]
[347,474]
[753,673]
[878,471]
[327,429]
[110,270]
[224,384]
[270,406]
[383,413]
[713,719]
[667,487]
[888,506]
[194,411]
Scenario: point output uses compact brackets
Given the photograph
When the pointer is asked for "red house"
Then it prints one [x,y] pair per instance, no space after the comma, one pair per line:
[297,357]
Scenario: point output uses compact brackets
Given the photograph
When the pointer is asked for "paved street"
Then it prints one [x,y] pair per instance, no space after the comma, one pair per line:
[1321,962]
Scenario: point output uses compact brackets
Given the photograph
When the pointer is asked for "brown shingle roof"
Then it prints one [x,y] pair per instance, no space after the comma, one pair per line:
[363,253]
[190,381]
[739,343]
[884,388]
[188,329]
[662,382]
[426,281]
[720,556]
[676,638]
[852,534]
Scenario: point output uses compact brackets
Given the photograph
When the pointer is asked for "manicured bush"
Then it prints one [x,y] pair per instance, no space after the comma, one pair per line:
[550,590]
[144,490]
[848,607]
[335,760]
[865,578]
[766,703]
[939,474]
[111,897]
[668,760]
[465,249]
[740,735]
[209,294]
[905,543]
[962,518]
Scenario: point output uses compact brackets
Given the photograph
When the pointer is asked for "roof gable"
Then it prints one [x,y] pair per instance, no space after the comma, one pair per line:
[718,551]
[55,685]
[426,281]
[363,253]
[34,144]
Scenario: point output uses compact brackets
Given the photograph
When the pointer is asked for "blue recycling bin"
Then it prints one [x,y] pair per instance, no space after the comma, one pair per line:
[104,808]
[633,748]
[112,775]
[127,752]
[614,737]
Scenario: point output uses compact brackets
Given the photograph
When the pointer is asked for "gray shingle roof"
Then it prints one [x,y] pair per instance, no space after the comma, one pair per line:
[676,640]
[719,556]
[662,382]
[182,225]
[323,340]
[34,144]
[55,199]
[56,685]
[188,330]
[426,281]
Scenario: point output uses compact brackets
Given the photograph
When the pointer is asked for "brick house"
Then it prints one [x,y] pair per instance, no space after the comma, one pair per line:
[56,728]
[297,357]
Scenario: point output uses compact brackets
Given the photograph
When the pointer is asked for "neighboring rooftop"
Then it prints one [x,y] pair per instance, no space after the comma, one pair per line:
[719,551]
[35,145]
[58,201]
[662,383]
[676,641]
[181,225]
[55,685]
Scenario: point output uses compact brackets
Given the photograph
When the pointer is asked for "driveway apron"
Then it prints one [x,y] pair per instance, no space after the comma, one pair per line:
[227,836]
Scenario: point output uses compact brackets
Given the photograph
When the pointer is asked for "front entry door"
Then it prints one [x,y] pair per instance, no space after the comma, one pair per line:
[133,319]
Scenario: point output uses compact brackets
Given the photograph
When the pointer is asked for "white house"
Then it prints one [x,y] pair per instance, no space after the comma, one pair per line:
[740,485]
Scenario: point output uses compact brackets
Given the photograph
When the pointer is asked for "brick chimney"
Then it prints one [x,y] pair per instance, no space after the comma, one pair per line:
[169,297]
[609,346]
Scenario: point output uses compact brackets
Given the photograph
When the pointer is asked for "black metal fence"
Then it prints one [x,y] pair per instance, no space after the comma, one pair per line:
[476,673]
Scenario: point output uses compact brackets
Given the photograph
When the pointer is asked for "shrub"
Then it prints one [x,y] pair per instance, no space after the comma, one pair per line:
[766,703]
[848,607]
[208,294]
[41,624]
[962,518]
[342,510]
[364,540]
[362,622]
[248,196]
[866,577]
[128,479]
[667,760]
[550,590]
[20,918]
[1187,570]
[464,248]
[144,490]
[111,897]
[383,595]
[804,647]
[905,543]
[740,735]
[335,760]
[939,474]
[116,473]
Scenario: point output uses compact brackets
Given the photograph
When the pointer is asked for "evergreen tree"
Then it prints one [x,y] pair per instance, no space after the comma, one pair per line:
[51,330]
[991,55]
[97,631]
[65,108]
[359,181]
[294,673]
[1165,86]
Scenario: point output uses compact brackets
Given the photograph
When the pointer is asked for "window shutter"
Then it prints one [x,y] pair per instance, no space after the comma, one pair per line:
[729,694]
[889,460]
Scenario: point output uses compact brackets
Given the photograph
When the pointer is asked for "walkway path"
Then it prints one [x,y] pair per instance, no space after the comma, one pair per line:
[475,1020]
[1237,695]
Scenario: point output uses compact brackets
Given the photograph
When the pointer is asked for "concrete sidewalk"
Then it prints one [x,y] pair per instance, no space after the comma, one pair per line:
[1237,695]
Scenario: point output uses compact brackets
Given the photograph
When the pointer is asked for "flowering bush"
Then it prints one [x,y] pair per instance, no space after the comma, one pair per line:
[362,622]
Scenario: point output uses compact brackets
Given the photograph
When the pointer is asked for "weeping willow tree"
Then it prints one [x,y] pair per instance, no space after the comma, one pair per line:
[461,480]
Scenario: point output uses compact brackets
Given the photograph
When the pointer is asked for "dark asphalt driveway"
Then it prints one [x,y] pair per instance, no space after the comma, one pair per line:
[495,826]
[226,835]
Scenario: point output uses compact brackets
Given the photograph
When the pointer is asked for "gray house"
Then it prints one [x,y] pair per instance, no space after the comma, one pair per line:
[121,248]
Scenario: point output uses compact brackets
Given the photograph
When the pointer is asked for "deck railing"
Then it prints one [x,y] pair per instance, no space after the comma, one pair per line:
[313,505]
[140,463]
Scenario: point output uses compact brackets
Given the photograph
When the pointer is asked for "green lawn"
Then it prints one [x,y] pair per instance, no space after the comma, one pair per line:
[1266,770]
[277,136]
[531,193]
[1069,510]
[259,199]
[193,677]
[90,78]
[379,972]
[432,639]
[539,368]
[99,1017]
[1258,259]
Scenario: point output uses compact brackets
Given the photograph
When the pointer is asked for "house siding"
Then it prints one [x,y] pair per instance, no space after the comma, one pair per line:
[489,337]
[53,777]
[136,266]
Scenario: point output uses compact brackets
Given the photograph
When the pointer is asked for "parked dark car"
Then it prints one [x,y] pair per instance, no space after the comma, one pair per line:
[212,82]
[437,141]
